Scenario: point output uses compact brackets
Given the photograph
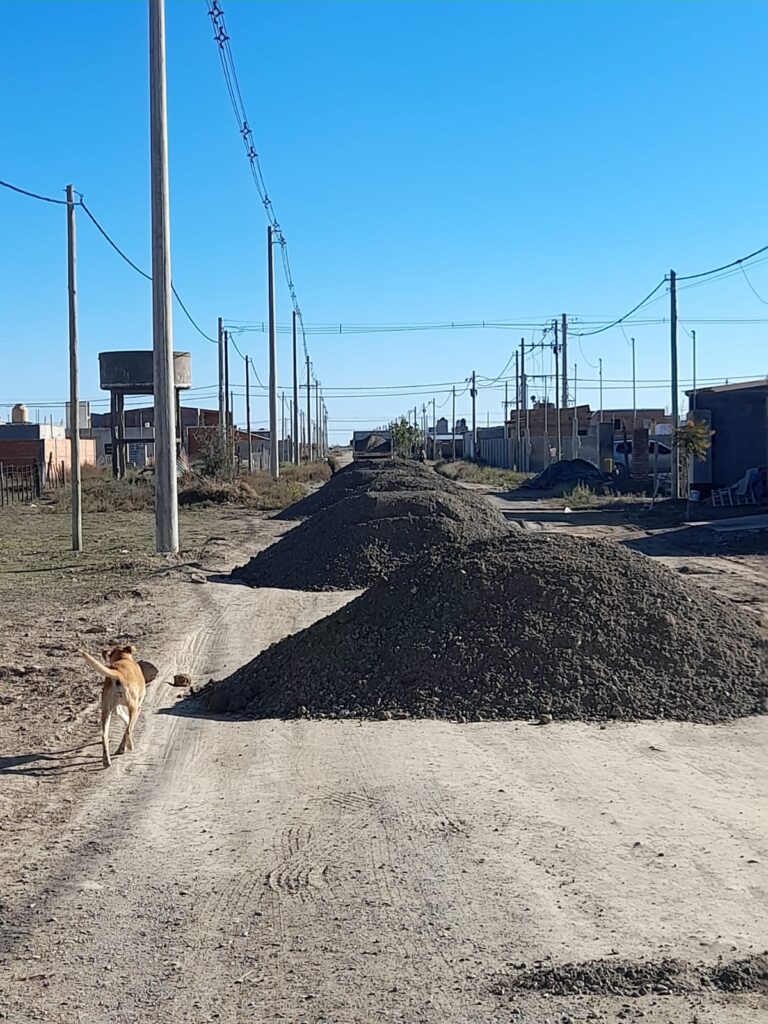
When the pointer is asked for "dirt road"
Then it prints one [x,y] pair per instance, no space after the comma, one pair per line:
[395,871]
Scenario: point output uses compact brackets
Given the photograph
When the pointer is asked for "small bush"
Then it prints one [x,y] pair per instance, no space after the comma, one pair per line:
[306,473]
[472,473]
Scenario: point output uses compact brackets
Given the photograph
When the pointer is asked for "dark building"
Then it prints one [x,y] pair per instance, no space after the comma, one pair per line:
[738,415]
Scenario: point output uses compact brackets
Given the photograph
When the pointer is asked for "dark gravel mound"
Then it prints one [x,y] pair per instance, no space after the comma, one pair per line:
[626,978]
[387,475]
[563,626]
[567,472]
[364,538]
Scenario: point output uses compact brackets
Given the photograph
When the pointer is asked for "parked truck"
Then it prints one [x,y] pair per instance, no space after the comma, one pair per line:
[371,444]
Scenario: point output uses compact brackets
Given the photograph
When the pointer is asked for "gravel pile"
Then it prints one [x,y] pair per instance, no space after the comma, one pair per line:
[546,625]
[384,475]
[627,978]
[365,537]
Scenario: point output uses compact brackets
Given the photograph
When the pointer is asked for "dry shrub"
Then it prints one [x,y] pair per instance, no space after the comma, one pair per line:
[472,473]
[306,473]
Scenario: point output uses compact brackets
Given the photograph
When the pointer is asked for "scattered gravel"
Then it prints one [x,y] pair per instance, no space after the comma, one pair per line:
[518,627]
[366,536]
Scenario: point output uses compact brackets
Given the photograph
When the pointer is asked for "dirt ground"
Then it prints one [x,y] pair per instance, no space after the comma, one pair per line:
[339,871]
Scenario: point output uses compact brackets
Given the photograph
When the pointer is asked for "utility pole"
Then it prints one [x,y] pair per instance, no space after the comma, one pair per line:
[575,384]
[295,424]
[693,341]
[434,431]
[473,393]
[228,394]
[523,379]
[222,394]
[317,418]
[282,425]
[558,430]
[248,414]
[564,343]
[309,411]
[166,492]
[274,454]
[600,365]
[506,400]
[517,395]
[74,381]
[675,410]
[453,417]
[634,388]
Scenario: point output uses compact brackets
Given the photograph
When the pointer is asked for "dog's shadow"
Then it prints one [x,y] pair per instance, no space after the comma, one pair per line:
[51,763]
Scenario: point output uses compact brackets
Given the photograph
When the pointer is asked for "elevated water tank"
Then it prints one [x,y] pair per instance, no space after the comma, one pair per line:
[19,413]
[132,372]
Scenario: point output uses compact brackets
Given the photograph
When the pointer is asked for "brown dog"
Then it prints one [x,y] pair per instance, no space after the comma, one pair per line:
[123,692]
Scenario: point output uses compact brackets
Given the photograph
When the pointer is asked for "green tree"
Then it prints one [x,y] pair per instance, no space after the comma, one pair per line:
[694,439]
[405,437]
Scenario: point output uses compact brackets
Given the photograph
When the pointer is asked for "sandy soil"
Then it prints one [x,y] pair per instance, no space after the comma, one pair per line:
[346,872]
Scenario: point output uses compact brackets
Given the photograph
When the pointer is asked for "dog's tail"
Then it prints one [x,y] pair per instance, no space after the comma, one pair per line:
[97,666]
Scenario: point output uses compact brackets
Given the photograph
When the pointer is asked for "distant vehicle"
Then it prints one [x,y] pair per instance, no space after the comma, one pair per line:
[659,455]
[371,444]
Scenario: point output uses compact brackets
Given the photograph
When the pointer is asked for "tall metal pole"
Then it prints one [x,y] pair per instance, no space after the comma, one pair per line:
[564,343]
[309,411]
[166,498]
[274,455]
[634,388]
[295,426]
[453,417]
[693,341]
[675,410]
[222,394]
[74,389]
[248,414]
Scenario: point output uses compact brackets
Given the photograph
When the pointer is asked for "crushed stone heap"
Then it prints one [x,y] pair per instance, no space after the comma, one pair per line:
[364,537]
[562,626]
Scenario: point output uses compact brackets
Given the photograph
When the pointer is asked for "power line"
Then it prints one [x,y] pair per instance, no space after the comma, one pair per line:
[222,39]
[33,195]
[621,319]
[725,266]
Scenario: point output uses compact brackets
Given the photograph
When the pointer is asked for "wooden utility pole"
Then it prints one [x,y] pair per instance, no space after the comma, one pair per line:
[248,413]
[166,496]
[74,378]
[295,419]
[564,344]
[309,411]
[274,455]
[675,409]
[453,416]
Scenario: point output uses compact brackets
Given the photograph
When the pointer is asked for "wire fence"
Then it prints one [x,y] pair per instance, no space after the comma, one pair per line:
[23,484]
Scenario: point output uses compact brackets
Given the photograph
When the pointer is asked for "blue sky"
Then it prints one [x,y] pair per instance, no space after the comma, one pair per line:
[428,161]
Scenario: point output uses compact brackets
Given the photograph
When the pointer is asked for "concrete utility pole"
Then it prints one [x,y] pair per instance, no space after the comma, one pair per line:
[564,343]
[166,496]
[675,409]
[74,379]
[222,394]
[317,418]
[282,423]
[517,395]
[309,411]
[600,365]
[274,455]
[248,414]
[228,394]
[295,419]
[634,387]
[473,393]
[523,378]
[575,384]
[434,430]
[453,417]
[506,399]
[693,342]
[558,429]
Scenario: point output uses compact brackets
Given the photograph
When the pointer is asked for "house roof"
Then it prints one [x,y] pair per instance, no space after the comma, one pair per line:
[761,384]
